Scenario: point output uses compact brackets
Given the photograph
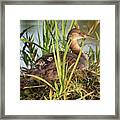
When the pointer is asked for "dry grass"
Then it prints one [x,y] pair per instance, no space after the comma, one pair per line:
[76,84]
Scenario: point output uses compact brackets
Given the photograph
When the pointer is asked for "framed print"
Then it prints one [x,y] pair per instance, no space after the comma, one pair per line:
[60,59]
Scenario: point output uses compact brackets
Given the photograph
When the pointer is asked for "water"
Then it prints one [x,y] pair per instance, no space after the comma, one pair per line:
[38,27]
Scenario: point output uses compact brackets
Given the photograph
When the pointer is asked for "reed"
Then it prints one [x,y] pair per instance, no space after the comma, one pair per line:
[54,34]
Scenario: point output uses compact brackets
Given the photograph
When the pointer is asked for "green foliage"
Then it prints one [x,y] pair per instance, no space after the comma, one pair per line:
[28,52]
[54,40]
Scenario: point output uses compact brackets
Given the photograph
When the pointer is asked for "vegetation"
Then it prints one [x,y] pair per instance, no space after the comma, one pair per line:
[72,83]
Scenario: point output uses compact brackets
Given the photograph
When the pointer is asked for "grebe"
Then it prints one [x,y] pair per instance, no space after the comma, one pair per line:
[45,66]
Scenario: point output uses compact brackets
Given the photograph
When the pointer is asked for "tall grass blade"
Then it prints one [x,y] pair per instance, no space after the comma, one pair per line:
[93,28]
[50,94]
[38,32]
[25,30]
[78,58]
[58,57]
[27,41]
[57,89]
[71,25]
[64,59]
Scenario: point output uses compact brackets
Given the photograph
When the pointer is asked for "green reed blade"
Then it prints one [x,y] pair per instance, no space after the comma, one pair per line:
[27,41]
[97,36]
[25,30]
[38,33]
[50,94]
[78,58]
[57,89]
[71,25]
[63,29]
[58,55]
[64,59]
[93,28]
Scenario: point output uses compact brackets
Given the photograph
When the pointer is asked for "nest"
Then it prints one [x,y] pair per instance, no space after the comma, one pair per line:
[84,85]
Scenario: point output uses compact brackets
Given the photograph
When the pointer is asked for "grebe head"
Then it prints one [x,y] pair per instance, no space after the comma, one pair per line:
[74,35]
